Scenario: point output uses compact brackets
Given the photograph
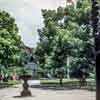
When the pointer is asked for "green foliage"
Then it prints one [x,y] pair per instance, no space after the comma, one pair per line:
[9,39]
[67,33]
[66,81]
[25,71]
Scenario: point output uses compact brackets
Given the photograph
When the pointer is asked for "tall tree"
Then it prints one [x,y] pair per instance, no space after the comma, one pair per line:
[67,33]
[9,38]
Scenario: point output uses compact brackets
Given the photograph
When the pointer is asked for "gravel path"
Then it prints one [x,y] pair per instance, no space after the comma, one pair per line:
[42,94]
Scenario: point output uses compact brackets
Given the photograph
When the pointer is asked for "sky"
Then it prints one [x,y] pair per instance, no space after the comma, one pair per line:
[27,14]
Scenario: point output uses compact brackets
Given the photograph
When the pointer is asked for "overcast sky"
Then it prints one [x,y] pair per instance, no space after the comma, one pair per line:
[27,14]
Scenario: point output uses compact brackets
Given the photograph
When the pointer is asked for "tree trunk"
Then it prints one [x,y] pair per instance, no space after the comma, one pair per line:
[68,76]
[96,33]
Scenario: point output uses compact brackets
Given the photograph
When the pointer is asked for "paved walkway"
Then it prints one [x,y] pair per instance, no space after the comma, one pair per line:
[47,94]
[33,82]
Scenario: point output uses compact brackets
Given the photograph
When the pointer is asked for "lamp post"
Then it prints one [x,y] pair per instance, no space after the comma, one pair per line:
[96,32]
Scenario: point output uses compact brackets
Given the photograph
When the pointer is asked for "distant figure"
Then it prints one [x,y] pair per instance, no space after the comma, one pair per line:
[60,73]
[17,77]
[83,77]
[13,77]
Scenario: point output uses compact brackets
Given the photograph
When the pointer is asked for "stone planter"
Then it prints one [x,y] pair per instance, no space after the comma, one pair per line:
[26,92]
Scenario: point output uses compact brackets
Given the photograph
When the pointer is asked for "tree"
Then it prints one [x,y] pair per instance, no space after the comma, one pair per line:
[96,33]
[66,34]
[9,39]
[77,21]
[55,43]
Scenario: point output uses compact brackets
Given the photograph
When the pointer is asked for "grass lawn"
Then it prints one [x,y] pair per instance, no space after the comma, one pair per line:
[55,82]
[10,83]
[91,85]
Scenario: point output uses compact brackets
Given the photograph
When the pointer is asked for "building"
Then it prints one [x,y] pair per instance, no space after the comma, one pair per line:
[30,61]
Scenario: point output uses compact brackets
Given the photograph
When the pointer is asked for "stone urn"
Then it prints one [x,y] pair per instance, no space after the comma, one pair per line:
[25,92]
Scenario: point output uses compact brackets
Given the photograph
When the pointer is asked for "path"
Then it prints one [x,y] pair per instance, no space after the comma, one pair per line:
[42,94]
[33,82]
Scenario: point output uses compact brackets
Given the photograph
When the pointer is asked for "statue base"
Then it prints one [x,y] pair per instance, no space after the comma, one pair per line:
[26,93]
